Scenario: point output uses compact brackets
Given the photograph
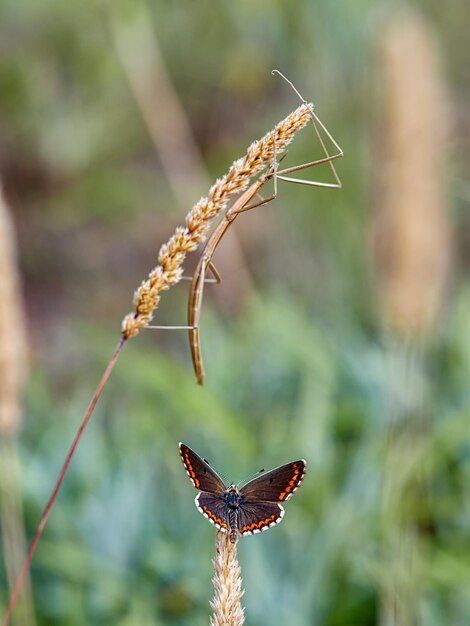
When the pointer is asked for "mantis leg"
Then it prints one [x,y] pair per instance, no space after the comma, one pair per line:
[216,279]
[260,203]
[327,159]
[216,276]
[316,121]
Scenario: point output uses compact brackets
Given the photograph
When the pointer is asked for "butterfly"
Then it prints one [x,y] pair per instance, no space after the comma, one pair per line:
[256,507]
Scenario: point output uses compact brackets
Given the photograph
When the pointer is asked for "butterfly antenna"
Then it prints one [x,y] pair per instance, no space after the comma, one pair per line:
[253,476]
[222,476]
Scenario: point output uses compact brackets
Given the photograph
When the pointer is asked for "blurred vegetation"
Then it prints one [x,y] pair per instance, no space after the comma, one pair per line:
[297,362]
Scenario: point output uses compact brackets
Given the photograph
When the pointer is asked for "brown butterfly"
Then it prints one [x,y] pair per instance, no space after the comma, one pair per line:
[252,509]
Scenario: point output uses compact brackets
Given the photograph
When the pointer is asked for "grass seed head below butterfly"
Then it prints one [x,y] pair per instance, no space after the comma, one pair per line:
[253,508]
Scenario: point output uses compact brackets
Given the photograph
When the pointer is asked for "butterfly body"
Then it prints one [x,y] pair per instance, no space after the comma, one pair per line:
[250,510]
[233,501]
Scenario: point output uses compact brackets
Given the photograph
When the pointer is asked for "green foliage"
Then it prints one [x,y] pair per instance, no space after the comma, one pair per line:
[126,544]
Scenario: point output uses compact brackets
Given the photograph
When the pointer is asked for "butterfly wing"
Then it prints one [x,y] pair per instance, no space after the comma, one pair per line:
[277,485]
[254,517]
[200,472]
[214,509]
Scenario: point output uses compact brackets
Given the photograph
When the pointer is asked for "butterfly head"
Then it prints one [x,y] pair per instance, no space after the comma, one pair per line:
[232,497]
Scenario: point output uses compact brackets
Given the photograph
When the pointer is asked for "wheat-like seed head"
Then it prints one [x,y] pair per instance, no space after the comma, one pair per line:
[227,581]
[185,239]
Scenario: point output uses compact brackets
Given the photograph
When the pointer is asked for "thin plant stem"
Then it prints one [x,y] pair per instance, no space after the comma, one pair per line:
[63,471]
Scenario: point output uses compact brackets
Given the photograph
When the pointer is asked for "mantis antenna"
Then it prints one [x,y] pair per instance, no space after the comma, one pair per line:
[291,84]
[329,158]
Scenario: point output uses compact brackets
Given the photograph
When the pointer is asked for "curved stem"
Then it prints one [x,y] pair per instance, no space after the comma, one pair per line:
[37,536]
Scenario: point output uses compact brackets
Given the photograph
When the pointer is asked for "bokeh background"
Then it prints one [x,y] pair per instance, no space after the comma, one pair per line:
[340,332]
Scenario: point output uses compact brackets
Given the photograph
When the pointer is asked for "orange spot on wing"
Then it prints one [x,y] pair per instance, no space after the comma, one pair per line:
[214,517]
[191,471]
[293,483]
[259,524]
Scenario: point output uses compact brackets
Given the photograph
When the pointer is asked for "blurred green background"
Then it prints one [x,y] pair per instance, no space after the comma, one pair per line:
[114,119]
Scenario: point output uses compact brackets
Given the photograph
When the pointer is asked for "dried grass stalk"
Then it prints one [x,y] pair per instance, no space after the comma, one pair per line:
[412,251]
[185,239]
[412,226]
[12,375]
[12,328]
[227,581]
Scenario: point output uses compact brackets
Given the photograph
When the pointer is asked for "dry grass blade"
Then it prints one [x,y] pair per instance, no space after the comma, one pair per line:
[412,225]
[12,375]
[227,581]
[412,252]
[12,329]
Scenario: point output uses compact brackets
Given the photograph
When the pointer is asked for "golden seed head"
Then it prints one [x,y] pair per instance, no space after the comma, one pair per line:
[198,221]
[227,583]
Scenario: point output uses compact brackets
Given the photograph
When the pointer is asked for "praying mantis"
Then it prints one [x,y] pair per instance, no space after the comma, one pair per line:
[205,263]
